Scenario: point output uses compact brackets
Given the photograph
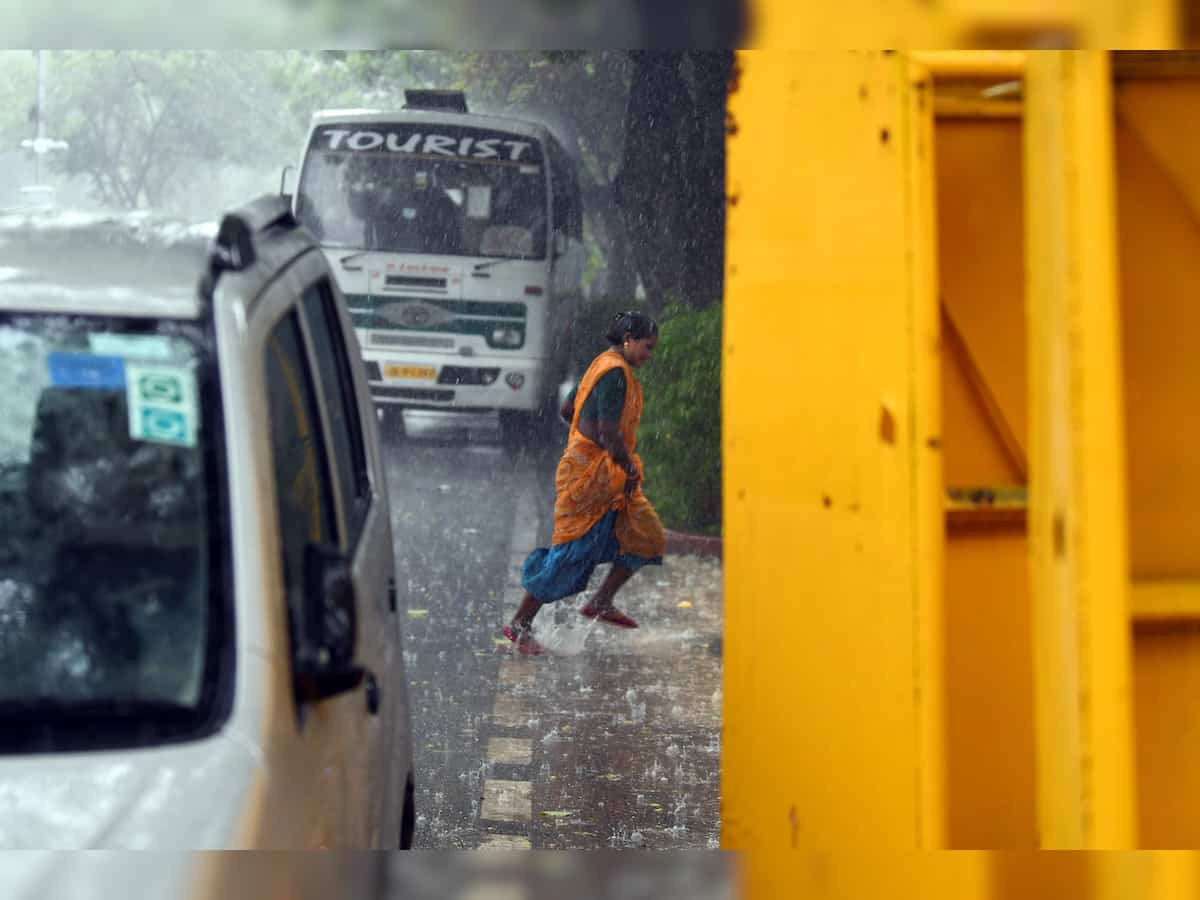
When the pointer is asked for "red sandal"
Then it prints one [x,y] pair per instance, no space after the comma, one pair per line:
[524,639]
[610,614]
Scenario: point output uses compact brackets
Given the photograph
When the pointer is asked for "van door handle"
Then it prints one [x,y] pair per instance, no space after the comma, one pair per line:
[392,593]
[372,692]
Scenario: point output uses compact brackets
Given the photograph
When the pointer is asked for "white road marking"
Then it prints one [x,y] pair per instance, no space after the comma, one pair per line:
[520,672]
[510,751]
[507,801]
[509,712]
[491,890]
[505,842]
[511,801]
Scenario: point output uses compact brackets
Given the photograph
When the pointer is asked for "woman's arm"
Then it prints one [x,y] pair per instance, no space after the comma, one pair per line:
[613,441]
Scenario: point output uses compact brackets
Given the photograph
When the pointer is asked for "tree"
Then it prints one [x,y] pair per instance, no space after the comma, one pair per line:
[139,123]
[18,80]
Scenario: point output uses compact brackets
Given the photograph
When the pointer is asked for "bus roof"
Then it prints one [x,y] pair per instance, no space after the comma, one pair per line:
[425,116]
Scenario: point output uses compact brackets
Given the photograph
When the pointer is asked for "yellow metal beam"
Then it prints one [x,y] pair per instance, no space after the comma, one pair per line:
[1077,519]
[972,63]
[1166,601]
[947,107]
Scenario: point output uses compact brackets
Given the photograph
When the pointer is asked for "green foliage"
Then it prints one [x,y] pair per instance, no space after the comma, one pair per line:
[680,436]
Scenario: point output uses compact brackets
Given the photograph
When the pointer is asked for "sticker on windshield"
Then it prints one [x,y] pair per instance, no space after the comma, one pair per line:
[479,201]
[86,370]
[162,404]
[131,346]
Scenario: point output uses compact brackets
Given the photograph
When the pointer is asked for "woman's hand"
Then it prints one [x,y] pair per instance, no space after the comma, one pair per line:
[632,480]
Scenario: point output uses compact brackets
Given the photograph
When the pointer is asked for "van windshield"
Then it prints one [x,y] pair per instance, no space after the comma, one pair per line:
[109,516]
[433,189]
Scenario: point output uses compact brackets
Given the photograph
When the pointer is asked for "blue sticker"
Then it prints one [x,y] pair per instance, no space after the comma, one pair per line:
[86,370]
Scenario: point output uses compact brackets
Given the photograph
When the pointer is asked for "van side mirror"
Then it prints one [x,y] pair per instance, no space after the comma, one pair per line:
[326,627]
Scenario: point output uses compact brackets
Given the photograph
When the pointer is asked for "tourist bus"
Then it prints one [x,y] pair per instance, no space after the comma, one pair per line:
[457,239]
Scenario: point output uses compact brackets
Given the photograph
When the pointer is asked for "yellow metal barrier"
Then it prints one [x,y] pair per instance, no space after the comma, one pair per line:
[962,581]
[973,24]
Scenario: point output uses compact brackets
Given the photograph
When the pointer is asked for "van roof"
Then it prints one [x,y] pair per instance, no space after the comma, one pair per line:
[433,117]
[102,265]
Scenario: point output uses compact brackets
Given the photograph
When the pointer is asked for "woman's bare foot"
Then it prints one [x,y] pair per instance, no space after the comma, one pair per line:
[608,613]
[523,637]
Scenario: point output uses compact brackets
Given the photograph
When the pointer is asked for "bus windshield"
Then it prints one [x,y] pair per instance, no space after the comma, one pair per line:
[433,189]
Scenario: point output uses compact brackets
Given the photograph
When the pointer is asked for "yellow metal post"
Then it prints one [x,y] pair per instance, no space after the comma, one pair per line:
[1077,520]
[834,727]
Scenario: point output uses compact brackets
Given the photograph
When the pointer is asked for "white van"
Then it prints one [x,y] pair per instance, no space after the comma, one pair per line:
[199,639]
[457,240]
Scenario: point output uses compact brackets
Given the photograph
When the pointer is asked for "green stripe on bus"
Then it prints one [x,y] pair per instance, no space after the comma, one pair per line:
[481,327]
[459,307]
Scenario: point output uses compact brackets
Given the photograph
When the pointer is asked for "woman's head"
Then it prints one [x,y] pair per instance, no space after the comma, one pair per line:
[635,335]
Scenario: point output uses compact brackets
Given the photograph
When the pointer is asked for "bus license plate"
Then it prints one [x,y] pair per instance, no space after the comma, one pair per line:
[426,373]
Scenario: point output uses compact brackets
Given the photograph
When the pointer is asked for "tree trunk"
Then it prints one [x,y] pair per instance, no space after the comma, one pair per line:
[671,187]
[649,187]
[608,227]
[706,179]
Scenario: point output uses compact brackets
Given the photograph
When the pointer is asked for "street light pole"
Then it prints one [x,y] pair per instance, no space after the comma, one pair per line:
[40,145]
[39,134]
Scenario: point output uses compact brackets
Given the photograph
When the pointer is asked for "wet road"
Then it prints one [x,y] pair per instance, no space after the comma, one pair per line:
[612,740]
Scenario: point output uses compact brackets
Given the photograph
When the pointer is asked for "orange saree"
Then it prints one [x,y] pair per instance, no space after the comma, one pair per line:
[590,484]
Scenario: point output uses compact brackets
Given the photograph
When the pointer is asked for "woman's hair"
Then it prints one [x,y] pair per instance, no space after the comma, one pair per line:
[637,325]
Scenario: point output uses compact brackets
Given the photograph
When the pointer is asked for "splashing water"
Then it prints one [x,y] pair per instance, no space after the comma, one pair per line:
[562,639]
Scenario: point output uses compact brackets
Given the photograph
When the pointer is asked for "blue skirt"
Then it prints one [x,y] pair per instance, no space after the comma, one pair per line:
[551,573]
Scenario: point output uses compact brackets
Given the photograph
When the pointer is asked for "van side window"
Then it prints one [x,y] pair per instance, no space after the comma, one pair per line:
[302,481]
[341,403]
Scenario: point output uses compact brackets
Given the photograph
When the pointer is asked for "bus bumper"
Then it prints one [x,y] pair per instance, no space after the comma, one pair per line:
[466,384]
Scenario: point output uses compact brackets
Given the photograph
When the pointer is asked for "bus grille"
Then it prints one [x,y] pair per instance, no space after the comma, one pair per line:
[384,339]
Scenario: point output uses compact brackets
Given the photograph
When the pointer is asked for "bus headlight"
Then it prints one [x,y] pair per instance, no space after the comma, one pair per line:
[515,380]
[507,336]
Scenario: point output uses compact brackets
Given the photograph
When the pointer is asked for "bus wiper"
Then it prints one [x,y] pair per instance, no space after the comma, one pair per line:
[353,256]
[479,267]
